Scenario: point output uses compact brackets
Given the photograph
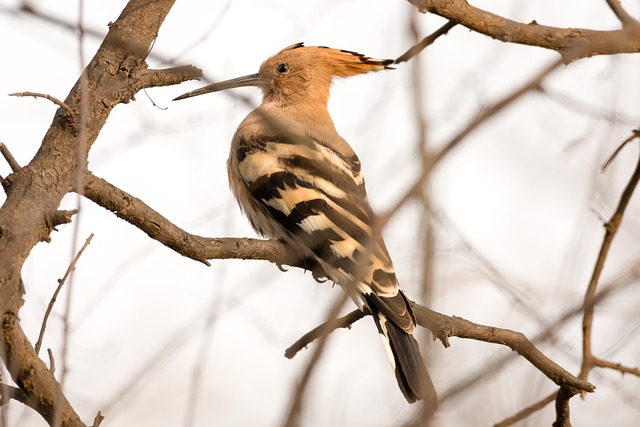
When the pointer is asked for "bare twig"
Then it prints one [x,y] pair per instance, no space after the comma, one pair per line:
[611,228]
[295,408]
[417,48]
[634,134]
[312,335]
[53,99]
[13,163]
[524,413]
[54,297]
[624,17]
[615,366]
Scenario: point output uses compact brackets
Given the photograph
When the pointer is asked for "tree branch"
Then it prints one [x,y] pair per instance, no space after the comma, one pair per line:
[562,40]
[419,47]
[617,9]
[139,214]
[29,212]
[615,366]
[168,76]
[611,228]
[524,413]
[55,100]
[443,327]
[563,418]
[61,282]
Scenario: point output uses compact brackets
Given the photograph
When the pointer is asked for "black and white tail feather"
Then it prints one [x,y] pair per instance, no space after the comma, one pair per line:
[405,358]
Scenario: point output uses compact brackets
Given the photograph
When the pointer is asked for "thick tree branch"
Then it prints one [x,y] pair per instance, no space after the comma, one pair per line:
[139,214]
[563,418]
[443,327]
[113,76]
[570,43]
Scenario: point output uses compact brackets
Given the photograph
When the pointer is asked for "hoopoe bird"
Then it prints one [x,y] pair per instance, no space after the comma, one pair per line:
[298,181]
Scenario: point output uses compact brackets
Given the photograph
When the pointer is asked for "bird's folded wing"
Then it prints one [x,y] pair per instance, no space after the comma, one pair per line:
[318,197]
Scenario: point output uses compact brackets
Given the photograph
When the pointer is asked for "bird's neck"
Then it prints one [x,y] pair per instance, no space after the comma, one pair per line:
[312,115]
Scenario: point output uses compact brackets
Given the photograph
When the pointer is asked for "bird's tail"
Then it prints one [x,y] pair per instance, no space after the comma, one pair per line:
[407,362]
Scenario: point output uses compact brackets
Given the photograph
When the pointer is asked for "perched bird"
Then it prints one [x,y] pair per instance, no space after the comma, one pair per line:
[298,181]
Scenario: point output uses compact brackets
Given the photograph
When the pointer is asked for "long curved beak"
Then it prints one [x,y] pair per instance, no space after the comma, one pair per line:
[250,80]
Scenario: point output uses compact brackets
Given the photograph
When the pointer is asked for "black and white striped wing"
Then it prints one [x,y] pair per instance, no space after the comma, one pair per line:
[317,198]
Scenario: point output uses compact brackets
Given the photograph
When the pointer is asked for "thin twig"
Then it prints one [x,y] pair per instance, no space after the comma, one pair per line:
[634,134]
[55,100]
[312,335]
[295,408]
[615,366]
[419,47]
[61,282]
[524,413]
[624,17]
[611,228]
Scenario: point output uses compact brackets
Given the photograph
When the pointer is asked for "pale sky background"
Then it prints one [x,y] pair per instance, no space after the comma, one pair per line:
[525,192]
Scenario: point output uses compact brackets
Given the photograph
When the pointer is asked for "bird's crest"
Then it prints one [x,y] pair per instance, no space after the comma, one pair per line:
[335,62]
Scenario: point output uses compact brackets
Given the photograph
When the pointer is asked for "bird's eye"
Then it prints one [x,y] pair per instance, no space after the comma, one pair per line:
[283,68]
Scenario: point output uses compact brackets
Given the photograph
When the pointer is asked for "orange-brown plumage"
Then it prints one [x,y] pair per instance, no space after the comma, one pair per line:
[299,181]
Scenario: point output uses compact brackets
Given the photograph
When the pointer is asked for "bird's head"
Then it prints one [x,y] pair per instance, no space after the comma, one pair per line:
[300,74]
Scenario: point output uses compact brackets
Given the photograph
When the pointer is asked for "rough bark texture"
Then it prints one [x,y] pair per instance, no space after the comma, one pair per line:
[113,76]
